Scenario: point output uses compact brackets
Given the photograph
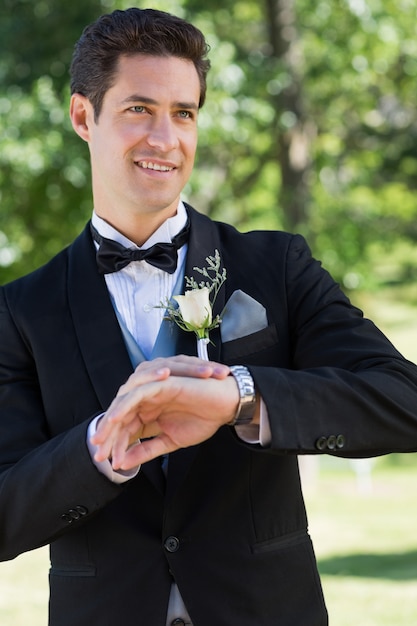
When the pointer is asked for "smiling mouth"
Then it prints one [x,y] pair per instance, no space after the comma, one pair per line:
[149,165]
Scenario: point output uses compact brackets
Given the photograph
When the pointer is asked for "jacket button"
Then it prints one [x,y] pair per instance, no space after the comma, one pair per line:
[82,510]
[74,514]
[178,622]
[171,544]
[340,441]
[331,442]
[321,443]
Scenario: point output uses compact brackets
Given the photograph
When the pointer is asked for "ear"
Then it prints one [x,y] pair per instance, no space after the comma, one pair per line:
[82,115]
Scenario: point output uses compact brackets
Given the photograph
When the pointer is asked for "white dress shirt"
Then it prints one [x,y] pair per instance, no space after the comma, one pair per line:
[139,287]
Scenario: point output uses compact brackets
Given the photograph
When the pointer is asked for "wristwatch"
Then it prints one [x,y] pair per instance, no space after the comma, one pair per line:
[247,403]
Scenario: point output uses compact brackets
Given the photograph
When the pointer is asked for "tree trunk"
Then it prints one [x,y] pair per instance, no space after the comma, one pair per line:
[292,133]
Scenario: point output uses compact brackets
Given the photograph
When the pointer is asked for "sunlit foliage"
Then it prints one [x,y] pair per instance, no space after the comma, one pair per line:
[310,125]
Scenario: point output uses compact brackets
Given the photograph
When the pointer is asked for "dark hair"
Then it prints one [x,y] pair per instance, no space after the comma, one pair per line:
[130,32]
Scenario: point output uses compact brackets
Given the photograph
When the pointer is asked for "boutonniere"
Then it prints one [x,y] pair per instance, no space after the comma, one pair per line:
[193,311]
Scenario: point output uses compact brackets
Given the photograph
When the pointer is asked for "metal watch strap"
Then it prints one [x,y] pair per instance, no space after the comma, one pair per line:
[247,404]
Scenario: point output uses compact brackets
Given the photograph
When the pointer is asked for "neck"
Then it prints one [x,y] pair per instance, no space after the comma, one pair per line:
[160,231]
[139,228]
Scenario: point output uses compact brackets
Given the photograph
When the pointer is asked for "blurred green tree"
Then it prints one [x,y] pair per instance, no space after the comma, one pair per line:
[44,170]
[310,125]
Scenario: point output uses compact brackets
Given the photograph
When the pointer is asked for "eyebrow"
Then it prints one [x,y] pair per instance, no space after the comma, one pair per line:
[146,100]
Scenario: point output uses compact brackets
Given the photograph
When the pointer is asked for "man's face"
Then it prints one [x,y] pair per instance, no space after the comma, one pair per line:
[143,144]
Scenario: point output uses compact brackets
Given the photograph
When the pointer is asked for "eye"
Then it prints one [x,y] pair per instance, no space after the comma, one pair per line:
[185,115]
[137,108]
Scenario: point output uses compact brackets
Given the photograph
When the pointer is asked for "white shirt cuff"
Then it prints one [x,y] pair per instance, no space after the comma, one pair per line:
[252,433]
[105,467]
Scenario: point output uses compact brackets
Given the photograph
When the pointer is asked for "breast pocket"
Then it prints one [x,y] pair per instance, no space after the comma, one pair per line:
[258,348]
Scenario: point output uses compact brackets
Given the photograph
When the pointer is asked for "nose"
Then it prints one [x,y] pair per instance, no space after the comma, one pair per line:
[162,133]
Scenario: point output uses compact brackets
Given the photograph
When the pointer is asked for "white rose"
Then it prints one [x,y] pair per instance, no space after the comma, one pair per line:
[195,307]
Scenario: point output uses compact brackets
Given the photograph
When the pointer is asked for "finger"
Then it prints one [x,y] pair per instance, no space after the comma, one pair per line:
[108,429]
[124,444]
[147,450]
[119,448]
[190,366]
[143,376]
[137,435]
[104,447]
[103,431]
[128,409]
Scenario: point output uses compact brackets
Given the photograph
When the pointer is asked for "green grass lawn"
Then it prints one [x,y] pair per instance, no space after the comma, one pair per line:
[366,542]
[24,590]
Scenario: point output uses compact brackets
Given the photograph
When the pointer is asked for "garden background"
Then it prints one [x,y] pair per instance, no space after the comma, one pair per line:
[310,126]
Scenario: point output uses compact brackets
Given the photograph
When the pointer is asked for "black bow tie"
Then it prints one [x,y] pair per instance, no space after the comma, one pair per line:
[112,256]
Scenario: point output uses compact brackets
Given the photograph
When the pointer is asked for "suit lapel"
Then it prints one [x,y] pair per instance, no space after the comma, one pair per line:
[204,241]
[98,332]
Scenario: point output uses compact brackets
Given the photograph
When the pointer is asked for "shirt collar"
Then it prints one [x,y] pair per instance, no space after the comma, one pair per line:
[163,234]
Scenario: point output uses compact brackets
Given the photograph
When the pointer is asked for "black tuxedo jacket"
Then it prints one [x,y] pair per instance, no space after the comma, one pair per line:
[229,525]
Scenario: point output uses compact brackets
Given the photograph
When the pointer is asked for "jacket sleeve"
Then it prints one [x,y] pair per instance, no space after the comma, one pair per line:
[348,391]
[48,484]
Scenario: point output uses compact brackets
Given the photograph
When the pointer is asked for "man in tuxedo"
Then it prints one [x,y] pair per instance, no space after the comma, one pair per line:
[202,521]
